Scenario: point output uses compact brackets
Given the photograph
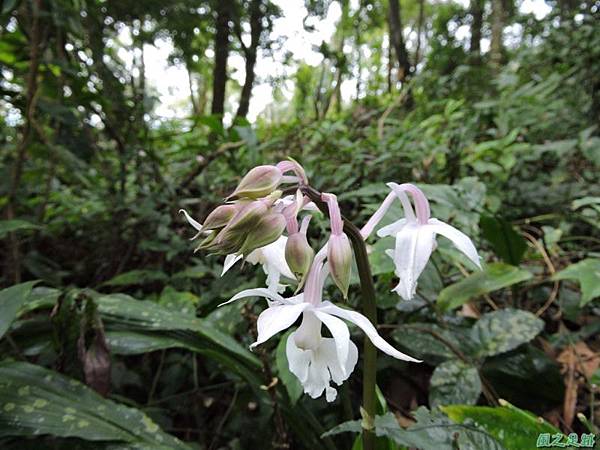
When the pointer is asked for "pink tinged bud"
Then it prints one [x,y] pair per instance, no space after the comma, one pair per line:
[339,256]
[247,217]
[299,255]
[268,229]
[206,242]
[221,216]
[232,237]
[218,242]
[259,182]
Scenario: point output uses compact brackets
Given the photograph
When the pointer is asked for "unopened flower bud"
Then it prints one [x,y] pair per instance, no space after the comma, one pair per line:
[207,241]
[259,182]
[299,254]
[267,230]
[227,242]
[339,256]
[220,216]
[231,238]
[247,217]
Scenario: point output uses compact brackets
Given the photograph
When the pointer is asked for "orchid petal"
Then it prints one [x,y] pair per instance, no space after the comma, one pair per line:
[460,240]
[197,225]
[274,255]
[318,377]
[308,334]
[316,368]
[341,335]
[277,318]
[339,372]
[298,359]
[273,277]
[392,229]
[420,201]
[230,261]
[368,228]
[414,244]
[365,324]
[258,292]
[406,205]
[310,206]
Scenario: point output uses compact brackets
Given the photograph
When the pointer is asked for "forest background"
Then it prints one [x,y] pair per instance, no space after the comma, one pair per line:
[116,114]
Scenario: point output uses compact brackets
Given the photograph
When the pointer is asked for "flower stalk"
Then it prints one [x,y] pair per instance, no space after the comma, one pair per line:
[369,309]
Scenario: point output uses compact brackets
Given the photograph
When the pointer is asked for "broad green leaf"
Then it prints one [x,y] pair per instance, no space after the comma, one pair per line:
[511,426]
[11,300]
[137,277]
[351,426]
[123,342]
[291,383]
[586,201]
[354,426]
[128,342]
[454,382]
[526,375]
[179,301]
[434,432]
[587,273]
[146,315]
[493,277]
[40,297]
[8,226]
[420,341]
[503,330]
[506,242]
[37,401]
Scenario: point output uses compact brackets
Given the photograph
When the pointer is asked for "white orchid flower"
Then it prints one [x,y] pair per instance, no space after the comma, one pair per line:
[415,236]
[316,360]
[271,257]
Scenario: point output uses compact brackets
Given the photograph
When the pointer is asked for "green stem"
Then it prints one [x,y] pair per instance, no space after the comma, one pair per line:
[369,308]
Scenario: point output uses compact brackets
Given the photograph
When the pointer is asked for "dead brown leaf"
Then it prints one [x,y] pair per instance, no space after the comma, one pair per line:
[585,360]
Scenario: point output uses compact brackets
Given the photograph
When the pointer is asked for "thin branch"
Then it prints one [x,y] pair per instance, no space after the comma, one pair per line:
[224,148]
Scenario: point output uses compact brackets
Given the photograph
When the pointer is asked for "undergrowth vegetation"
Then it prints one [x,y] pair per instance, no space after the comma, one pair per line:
[110,333]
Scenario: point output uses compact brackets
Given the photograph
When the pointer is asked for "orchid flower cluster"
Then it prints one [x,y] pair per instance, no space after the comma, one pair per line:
[260,225]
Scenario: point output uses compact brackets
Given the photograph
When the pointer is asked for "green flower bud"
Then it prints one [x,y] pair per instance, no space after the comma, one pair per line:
[339,256]
[267,230]
[247,217]
[220,216]
[259,182]
[299,255]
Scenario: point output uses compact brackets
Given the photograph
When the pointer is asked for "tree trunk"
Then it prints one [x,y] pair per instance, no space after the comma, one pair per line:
[191,87]
[397,39]
[256,29]
[476,8]
[13,262]
[221,54]
[419,31]
[341,62]
[390,66]
[497,31]
[358,61]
